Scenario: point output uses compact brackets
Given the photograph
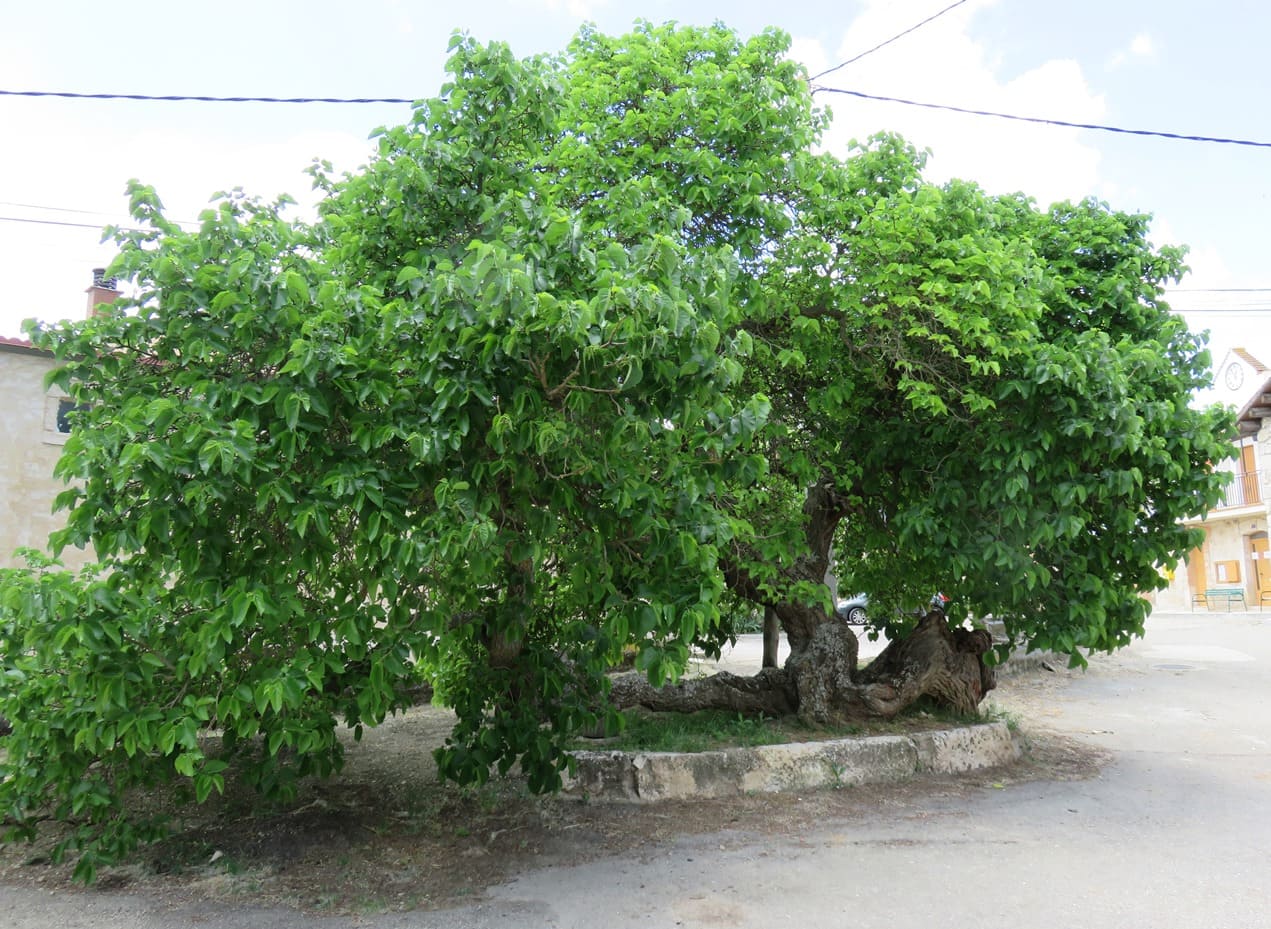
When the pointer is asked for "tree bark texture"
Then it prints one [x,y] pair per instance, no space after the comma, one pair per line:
[821,681]
[933,661]
[823,685]
[769,693]
[823,510]
[771,637]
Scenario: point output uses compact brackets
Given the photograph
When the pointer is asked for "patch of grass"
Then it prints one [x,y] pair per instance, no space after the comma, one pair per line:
[710,730]
[678,732]
[703,731]
[991,712]
[487,797]
[927,708]
[747,622]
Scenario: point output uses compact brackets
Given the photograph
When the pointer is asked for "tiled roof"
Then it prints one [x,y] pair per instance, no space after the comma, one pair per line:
[20,345]
[1255,410]
[1250,360]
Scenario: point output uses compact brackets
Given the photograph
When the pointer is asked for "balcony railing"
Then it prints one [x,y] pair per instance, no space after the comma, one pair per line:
[1243,491]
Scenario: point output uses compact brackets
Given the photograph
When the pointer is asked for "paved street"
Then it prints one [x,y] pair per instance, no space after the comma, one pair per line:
[1174,832]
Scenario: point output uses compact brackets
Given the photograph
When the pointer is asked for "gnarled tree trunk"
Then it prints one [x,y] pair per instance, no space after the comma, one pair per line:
[933,661]
[770,693]
[823,684]
[821,681]
[771,637]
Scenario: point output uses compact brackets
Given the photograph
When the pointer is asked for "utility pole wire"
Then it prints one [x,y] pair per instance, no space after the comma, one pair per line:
[49,222]
[1044,122]
[61,222]
[200,98]
[899,35]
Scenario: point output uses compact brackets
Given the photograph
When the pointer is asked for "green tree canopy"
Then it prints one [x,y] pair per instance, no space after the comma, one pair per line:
[596,342]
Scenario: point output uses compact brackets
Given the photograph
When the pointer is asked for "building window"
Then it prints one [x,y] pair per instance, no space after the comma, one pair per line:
[59,416]
[65,408]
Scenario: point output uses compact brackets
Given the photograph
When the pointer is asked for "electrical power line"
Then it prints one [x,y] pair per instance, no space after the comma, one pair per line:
[61,222]
[54,209]
[832,90]
[49,222]
[1239,311]
[1040,121]
[174,98]
[899,35]
[1220,290]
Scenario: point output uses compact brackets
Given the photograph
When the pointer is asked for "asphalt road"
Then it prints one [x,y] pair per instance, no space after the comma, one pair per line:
[1174,832]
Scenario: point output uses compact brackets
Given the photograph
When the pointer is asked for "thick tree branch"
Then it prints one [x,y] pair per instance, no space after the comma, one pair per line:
[770,693]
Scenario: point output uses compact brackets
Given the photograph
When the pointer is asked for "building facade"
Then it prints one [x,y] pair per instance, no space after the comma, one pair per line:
[32,432]
[1233,561]
[31,437]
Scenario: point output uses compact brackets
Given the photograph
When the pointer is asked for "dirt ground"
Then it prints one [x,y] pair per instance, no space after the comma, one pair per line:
[385,835]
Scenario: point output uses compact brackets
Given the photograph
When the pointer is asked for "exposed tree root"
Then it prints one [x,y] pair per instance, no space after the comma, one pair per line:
[770,692]
[933,661]
[822,684]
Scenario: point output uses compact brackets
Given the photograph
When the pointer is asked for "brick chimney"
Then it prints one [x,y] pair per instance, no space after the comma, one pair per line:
[102,293]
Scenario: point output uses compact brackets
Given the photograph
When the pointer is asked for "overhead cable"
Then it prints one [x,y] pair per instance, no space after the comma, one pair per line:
[1044,122]
[49,222]
[1220,290]
[60,222]
[899,35]
[176,98]
[831,90]
[56,209]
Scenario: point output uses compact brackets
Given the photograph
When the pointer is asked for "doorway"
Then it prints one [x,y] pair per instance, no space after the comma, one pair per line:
[1258,553]
[1196,581]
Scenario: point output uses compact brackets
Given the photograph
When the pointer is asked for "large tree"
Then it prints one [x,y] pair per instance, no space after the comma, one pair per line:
[595,349]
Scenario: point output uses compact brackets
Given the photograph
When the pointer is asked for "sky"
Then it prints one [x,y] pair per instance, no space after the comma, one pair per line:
[1162,65]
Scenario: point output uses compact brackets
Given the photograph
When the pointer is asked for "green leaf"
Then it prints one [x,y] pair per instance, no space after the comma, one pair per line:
[297,287]
[291,410]
[184,764]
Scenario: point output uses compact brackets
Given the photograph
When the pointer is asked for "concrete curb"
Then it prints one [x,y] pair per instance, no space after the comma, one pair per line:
[644,777]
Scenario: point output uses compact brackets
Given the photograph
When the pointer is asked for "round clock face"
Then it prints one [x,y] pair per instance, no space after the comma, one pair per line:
[1235,376]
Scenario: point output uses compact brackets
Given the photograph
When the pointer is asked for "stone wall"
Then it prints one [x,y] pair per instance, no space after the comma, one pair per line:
[1262,455]
[30,445]
[1226,544]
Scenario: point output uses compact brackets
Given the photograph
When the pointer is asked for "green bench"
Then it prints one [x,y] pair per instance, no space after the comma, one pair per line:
[1229,596]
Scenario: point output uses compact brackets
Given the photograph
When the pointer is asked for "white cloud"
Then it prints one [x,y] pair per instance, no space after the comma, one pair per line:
[185,168]
[579,9]
[1214,299]
[1142,46]
[942,64]
[265,169]
[810,53]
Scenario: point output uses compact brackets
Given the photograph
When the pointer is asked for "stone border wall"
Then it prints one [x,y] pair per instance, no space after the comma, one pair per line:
[644,777]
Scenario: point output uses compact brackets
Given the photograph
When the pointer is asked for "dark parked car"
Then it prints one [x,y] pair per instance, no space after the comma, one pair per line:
[852,610]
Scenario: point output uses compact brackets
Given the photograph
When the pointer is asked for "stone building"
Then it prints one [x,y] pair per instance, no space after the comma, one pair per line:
[32,433]
[1231,569]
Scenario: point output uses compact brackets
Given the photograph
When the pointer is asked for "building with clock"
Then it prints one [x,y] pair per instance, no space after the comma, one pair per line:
[1231,568]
